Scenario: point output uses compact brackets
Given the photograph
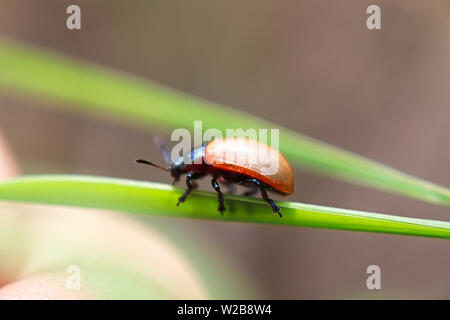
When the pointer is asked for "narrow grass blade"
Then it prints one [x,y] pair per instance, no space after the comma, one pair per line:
[160,199]
[93,90]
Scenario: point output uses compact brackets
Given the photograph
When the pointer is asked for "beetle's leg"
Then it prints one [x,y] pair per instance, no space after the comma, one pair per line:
[275,208]
[262,189]
[216,187]
[190,186]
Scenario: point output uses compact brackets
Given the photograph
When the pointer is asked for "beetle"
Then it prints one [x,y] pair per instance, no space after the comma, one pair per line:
[211,159]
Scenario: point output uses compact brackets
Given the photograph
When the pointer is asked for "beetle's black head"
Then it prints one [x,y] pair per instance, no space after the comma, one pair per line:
[175,169]
[175,172]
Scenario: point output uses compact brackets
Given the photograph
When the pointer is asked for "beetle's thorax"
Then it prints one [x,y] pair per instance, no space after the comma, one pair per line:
[185,163]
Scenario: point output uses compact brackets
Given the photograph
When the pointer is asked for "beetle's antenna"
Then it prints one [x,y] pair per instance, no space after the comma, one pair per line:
[159,142]
[150,164]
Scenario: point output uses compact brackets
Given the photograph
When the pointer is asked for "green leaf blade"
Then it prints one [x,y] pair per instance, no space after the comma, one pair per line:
[85,88]
[148,198]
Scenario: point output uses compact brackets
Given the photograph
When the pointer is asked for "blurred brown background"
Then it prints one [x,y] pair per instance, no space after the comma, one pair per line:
[311,66]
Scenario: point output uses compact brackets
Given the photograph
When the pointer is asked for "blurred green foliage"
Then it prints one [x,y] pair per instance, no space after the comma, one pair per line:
[82,87]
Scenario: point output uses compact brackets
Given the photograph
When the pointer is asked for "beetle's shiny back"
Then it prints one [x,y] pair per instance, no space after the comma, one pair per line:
[250,157]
